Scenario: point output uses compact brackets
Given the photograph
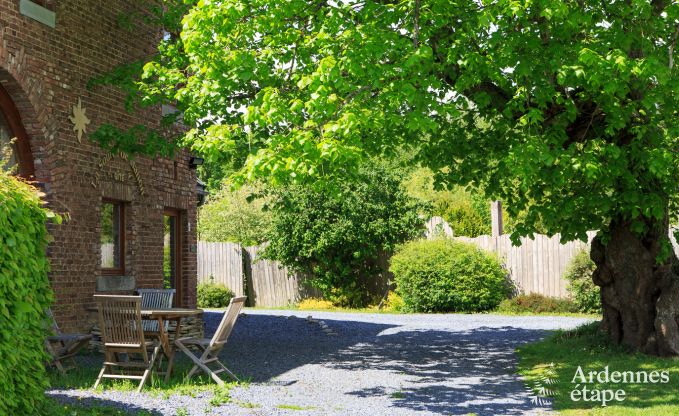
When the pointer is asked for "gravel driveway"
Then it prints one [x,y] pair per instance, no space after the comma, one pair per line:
[363,364]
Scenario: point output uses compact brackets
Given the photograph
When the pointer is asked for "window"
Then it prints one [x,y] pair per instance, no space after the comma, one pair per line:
[8,159]
[172,253]
[112,238]
[15,152]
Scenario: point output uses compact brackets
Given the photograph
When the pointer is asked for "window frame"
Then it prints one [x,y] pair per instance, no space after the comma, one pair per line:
[120,270]
[178,252]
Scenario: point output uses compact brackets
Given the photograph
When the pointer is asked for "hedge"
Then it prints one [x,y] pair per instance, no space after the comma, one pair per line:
[25,295]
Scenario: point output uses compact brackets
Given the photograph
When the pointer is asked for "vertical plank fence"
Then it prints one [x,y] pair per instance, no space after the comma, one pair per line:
[271,285]
[538,265]
[222,262]
[266,283]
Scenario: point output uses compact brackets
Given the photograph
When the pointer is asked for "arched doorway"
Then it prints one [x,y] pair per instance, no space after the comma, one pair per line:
[13,137]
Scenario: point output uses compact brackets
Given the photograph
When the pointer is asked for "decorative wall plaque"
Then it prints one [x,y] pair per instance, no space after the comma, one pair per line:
[79,120]
[116,176]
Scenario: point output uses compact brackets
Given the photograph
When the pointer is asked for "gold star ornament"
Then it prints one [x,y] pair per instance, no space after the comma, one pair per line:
[79,120]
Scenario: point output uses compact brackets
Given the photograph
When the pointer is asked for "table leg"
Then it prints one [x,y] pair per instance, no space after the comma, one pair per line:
[170,362]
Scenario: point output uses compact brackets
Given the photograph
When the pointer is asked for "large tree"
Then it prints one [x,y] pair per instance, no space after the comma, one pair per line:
[565,109]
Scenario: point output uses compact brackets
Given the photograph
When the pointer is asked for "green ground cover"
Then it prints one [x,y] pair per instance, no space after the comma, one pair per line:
[550,368]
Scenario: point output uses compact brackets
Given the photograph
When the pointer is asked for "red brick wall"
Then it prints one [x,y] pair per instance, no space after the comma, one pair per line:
[45,70]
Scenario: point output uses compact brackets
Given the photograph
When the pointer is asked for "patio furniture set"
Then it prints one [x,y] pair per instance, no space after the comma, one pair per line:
[135,332]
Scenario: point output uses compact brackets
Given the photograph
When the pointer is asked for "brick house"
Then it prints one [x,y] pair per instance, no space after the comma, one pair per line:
[129,223]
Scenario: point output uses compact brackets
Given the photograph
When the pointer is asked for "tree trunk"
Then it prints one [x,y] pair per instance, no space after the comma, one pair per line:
[640,297]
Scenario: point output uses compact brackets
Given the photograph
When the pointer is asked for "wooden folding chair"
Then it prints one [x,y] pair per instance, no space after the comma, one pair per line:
[62,346]
[155,299]
[122,332]
[212,347]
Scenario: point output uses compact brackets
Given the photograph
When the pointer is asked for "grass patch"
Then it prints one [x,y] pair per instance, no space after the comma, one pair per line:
[54,408]
[84,376]
[552,364]
[293,407]
[248,405]
[397,395]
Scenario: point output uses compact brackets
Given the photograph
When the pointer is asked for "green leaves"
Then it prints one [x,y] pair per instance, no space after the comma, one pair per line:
[25,295]
[563,110]
[339,236]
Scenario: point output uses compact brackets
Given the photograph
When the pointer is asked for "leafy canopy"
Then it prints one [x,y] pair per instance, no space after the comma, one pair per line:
[565,108]
[234,216]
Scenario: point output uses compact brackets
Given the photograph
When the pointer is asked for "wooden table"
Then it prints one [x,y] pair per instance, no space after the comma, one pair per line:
[172,314]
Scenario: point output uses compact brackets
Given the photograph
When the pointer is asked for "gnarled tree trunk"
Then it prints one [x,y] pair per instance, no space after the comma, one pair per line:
[640,297]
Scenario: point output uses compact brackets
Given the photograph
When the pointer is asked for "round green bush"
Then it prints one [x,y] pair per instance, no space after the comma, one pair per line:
[443,275]
[25,295]
[584,292]
[213,295]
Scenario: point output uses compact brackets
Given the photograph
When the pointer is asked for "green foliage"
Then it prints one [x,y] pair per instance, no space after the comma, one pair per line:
[535,303]
[466,213]
[589,348]
[566,111]
[233,215]
[394,302]
[443,275]
[338,236]
[213,295]
[25,295]
[315,304]
[585,294]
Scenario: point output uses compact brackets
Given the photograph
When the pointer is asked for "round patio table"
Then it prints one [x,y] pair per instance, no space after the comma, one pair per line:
[170,314]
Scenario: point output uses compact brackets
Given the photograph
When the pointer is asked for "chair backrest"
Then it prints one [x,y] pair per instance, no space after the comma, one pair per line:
[228,321]
[120,319]
[156,298]
[53,322]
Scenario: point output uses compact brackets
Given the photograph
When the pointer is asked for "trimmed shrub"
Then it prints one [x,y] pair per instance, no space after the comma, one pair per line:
[25,295]
[585,293]
[213,295]
[443,275]
[535,303]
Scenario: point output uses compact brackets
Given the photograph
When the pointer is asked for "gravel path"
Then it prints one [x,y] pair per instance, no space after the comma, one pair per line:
[362,364]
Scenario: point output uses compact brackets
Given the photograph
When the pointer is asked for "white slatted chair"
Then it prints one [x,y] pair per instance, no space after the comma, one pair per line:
[155,299]
[122,332]
[212,347]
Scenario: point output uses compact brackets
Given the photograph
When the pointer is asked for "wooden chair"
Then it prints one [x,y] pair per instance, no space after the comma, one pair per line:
[212,347]
[155,299]
[62,346]
[122,332]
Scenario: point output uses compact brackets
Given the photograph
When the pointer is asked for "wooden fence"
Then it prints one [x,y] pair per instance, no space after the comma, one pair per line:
[266,283]
[270,285]
[538,265]
[222,263]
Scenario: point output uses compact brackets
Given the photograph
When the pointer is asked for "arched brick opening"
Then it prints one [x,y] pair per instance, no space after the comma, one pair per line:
[28,123]
[22,146]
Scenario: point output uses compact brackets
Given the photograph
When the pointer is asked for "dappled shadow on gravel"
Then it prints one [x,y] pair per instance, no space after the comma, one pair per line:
[448,372]
[262,347]
[444,371]
[66,399]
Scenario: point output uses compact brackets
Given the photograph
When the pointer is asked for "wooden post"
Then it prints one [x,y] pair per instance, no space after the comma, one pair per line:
[496,218]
